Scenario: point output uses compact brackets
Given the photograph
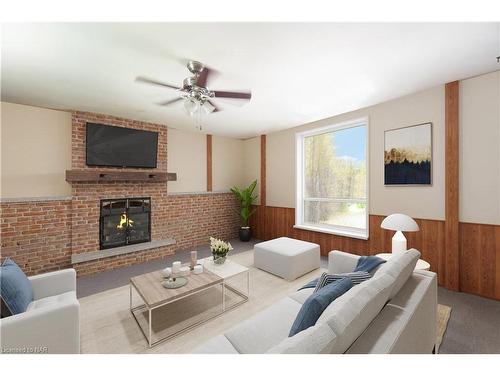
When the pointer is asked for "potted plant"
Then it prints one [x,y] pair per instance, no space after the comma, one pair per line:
[219,250]
[246,198]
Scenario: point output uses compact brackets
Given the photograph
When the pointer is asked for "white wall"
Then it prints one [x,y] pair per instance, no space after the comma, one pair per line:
[251,163]
[187,156]
[480,149]
[36,151]
[425,202]
[227,163]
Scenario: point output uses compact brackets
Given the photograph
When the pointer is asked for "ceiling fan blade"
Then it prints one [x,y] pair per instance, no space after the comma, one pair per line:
[154,82]
[206,76]
[168,102]
[233,95]
[202,77]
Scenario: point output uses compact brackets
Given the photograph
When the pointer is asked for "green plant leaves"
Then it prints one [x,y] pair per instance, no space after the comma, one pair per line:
[247,198]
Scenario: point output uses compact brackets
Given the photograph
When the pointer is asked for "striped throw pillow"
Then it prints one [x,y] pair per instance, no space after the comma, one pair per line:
[356,278]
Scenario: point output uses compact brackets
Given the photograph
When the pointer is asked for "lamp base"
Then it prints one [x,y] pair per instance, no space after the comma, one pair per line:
[398,243]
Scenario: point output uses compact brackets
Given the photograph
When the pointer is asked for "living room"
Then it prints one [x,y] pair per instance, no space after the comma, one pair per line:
[264,195]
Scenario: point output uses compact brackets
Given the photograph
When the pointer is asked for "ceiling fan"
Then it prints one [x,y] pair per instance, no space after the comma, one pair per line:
[197,97]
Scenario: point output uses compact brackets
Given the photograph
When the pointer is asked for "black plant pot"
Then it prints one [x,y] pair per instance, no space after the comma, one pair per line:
[245,234]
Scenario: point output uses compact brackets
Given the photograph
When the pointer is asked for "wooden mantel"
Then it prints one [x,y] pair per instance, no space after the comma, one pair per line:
[90,175]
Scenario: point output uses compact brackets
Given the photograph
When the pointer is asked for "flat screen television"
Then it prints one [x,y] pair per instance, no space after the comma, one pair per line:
[113,146]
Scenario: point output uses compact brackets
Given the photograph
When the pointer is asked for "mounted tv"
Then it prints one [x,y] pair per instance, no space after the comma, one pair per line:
[113,146]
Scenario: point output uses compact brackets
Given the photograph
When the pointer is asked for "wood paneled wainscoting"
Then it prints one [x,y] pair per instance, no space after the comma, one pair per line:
[479,245]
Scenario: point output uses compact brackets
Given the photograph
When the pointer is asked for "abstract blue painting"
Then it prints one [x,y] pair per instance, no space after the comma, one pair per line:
[408,155]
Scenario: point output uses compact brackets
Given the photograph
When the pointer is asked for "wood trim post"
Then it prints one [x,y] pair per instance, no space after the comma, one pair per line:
[451,243]
[263,170]
[262,212]
[209,162]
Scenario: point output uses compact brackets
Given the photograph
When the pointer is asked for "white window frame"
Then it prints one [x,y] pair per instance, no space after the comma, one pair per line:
[299,185]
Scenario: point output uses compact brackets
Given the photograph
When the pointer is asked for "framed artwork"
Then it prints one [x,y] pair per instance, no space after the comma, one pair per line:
[408,155]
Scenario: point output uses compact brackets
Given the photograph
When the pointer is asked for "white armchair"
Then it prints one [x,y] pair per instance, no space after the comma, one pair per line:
[51,323]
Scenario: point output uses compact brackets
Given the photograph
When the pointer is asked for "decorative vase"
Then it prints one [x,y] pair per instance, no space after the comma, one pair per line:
[219,259]
[245,234]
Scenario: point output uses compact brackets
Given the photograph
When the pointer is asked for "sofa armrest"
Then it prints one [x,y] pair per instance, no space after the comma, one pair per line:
[341,262]
[53,283]
[51,329]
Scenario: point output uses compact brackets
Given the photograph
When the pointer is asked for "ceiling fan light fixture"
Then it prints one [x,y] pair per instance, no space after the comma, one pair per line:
[191,106]
[207,108]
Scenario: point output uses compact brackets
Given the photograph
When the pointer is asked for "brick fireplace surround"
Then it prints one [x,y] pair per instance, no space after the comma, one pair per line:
[42,235]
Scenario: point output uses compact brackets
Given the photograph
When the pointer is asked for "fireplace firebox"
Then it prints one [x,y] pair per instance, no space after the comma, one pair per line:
[124,222]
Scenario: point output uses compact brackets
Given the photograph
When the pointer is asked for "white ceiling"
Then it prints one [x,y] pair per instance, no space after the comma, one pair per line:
[297,73]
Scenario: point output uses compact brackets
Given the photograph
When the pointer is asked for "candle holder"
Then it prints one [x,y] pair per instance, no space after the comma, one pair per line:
[194,259]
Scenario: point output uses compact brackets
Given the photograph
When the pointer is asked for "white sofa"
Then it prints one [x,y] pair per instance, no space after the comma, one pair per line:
[51,323]
[393,312]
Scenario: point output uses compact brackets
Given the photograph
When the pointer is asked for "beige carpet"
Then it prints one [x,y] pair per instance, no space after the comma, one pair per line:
[443,316]
[107,325]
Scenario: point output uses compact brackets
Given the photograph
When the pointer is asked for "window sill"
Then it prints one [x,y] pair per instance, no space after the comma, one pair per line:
[336,231]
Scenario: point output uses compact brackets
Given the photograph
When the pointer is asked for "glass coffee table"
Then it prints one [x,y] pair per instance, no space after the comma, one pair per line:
[165,313]
[236,279]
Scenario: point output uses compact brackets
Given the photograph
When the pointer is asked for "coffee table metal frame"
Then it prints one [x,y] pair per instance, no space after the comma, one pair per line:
[223,284]
[144,305]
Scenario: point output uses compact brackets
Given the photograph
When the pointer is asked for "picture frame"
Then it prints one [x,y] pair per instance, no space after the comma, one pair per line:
[408,155]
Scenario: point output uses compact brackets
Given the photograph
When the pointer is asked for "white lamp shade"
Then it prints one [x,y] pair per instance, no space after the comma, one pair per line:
[190,106]
[207,108]
[400,222]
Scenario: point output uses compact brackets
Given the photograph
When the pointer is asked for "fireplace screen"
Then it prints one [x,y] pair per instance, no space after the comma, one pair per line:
[124,222]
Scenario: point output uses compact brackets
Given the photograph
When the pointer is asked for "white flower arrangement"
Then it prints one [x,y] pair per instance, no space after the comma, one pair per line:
[219,247]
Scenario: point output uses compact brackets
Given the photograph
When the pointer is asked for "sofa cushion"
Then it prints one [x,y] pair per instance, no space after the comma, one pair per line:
[349,315]
[266,329]
[318,339]
[400,267]
[16,289]
[52,300]
[317,302]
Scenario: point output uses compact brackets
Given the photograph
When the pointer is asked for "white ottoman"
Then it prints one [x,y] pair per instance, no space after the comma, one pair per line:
[287,257]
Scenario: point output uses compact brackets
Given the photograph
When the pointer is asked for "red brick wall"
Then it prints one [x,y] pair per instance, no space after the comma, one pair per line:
[42,236]
[37,235]
[192,219]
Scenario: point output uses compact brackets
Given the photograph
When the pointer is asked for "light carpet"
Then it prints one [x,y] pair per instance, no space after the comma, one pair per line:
[107,325]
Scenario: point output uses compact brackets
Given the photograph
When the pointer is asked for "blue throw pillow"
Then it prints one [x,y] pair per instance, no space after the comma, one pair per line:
[16,289]
[356,278]
[317,302]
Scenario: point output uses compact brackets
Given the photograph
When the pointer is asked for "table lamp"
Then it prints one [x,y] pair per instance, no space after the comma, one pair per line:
[400,223]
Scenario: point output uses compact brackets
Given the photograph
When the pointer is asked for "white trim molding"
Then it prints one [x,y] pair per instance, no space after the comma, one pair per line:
[299,188]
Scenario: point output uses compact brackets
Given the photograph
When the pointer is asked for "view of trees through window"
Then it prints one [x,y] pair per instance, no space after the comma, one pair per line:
[335,178]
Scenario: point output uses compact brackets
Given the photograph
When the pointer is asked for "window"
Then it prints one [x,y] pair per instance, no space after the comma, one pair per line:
[332,179]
